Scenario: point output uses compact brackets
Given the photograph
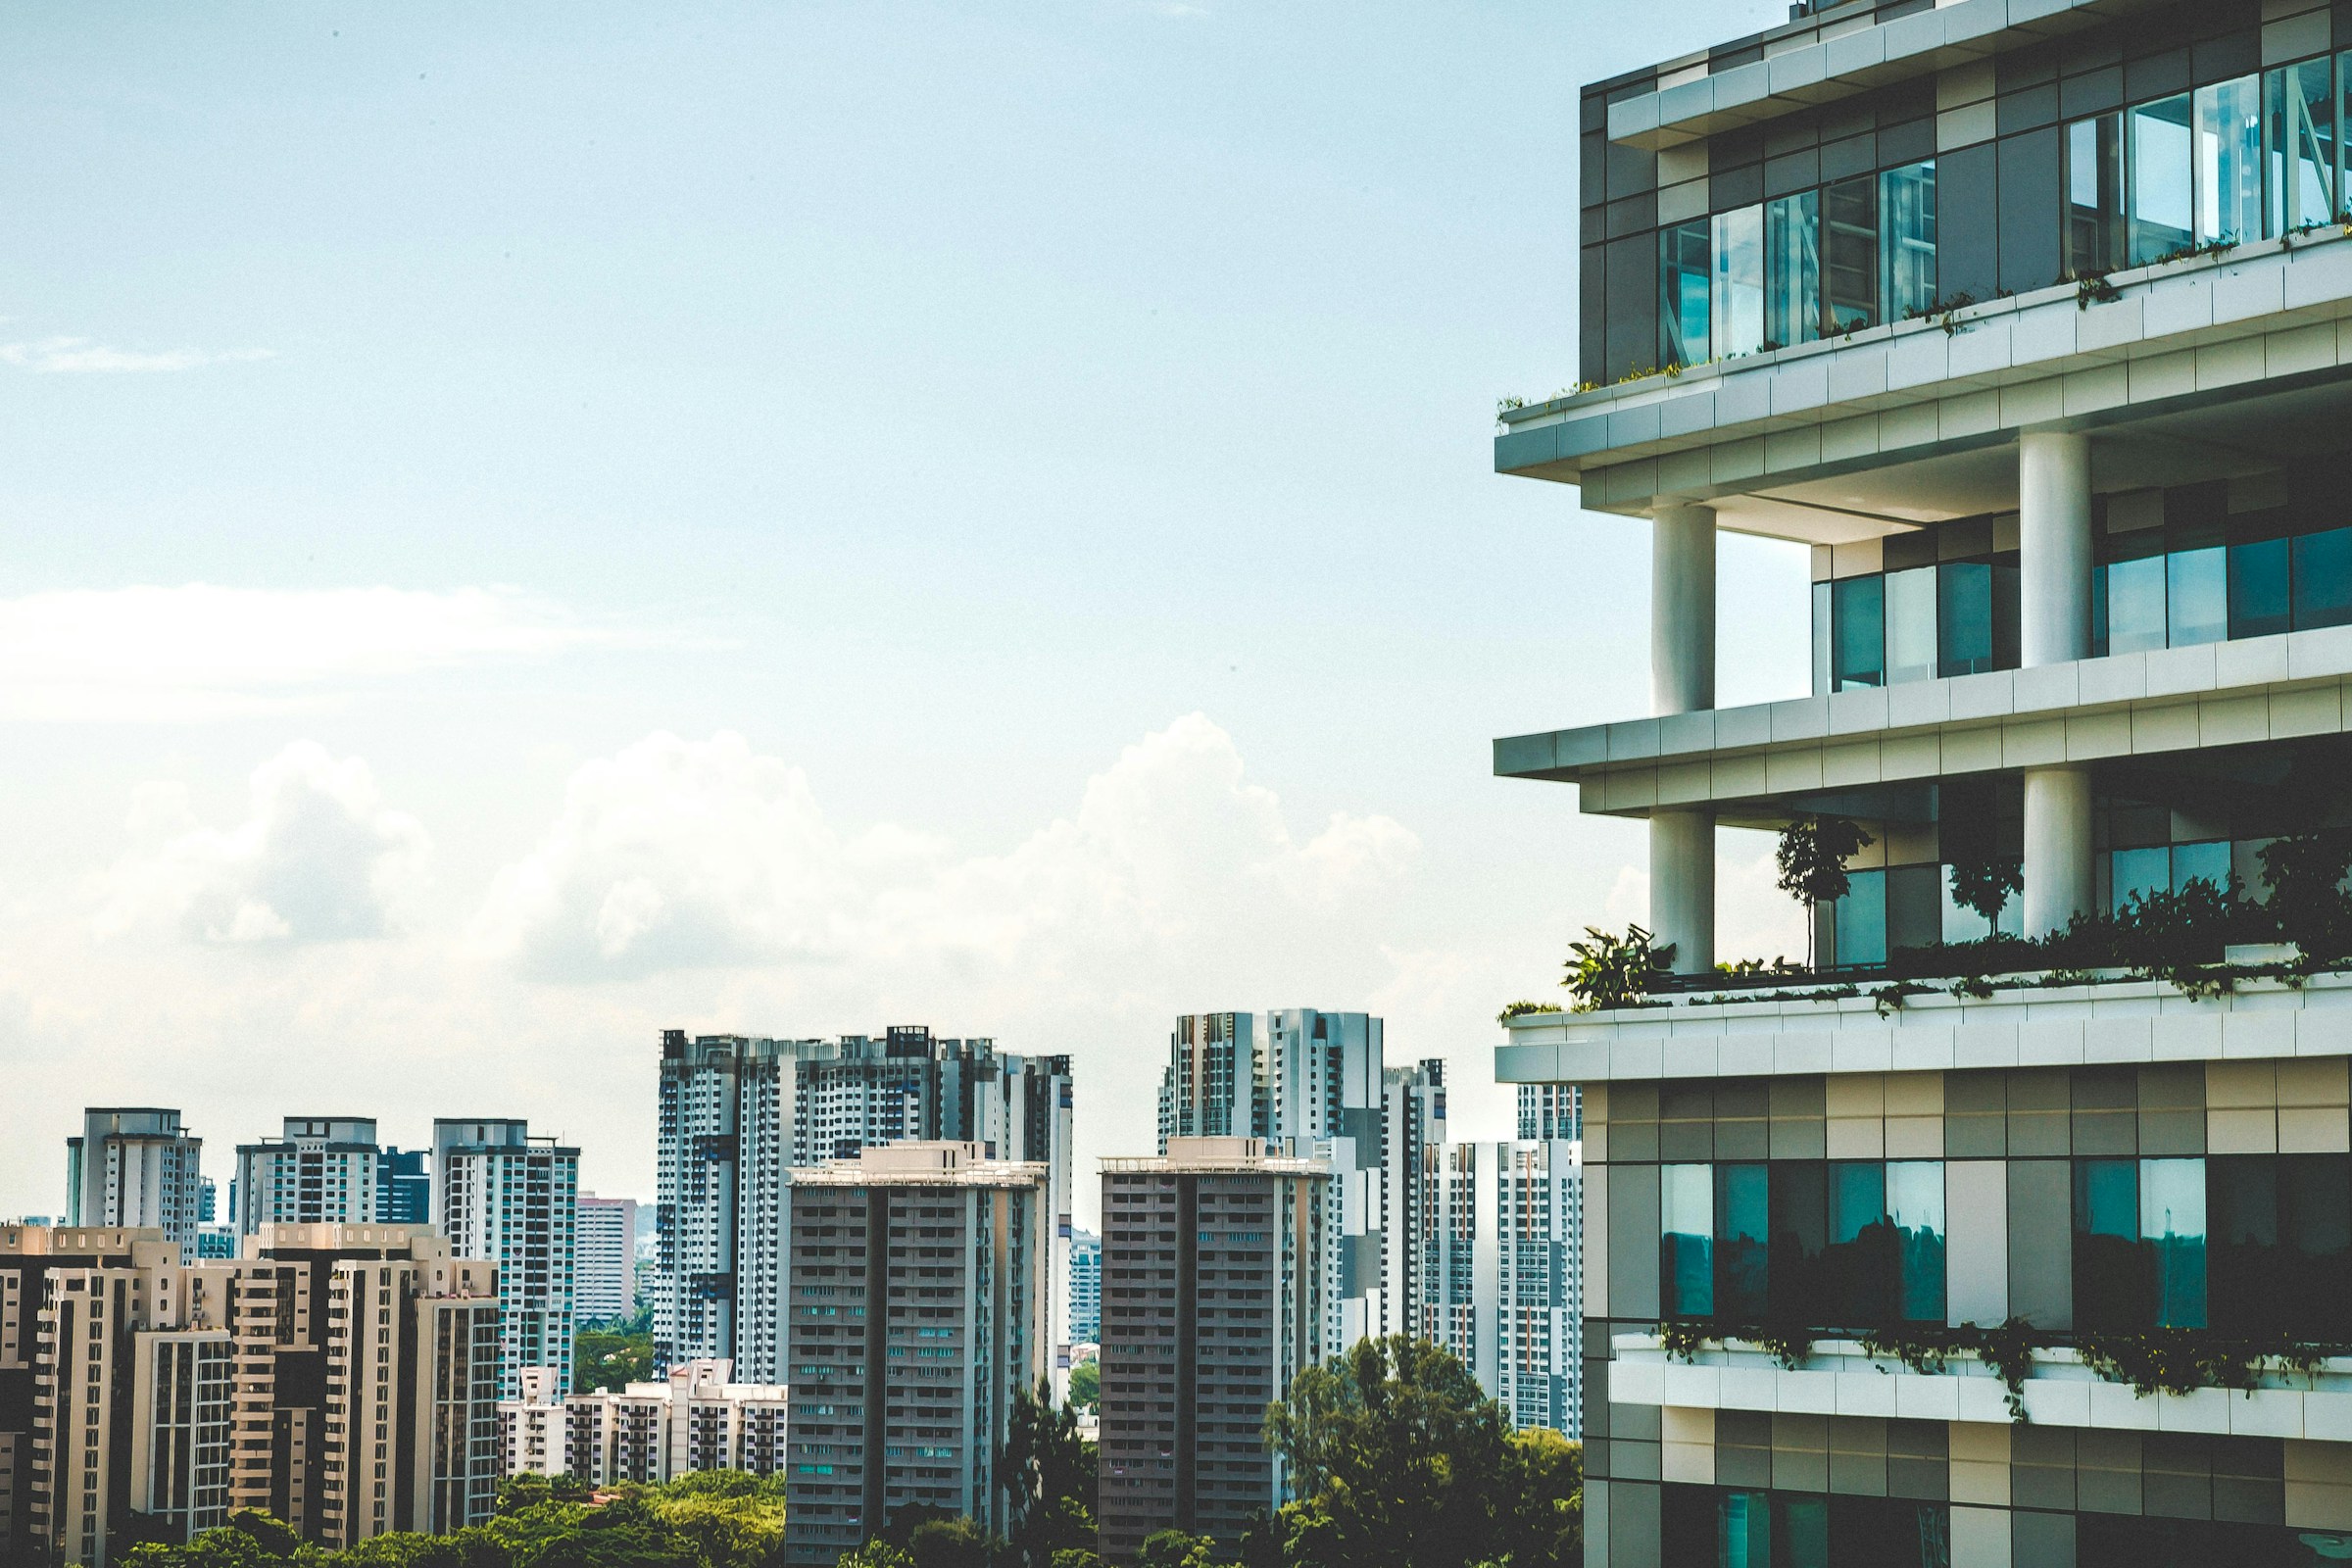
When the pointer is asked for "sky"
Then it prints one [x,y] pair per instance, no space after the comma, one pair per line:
[524,527]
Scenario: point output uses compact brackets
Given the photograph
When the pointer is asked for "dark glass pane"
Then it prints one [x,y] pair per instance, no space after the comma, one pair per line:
[1858,1269]
[2098,612]
[1889,1532]
[2114,1282]
[2323,579]
[2249,1273]
[2315,1232]
[2258,604]
[2201,863]
[1861,919]
[1860,632]
[1907,214]
[1800,1537]
[1742,1220]
[2004,613]
[1683,270]
[1800,1234]
[1964,617]
[1914,906]
[2095,194]
[2140,873]
[1793,269]
[1687,1526]
[1849,239]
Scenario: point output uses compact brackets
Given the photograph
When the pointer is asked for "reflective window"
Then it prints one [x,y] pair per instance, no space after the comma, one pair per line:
[1801,1235]
[1915,1210]
[1821,637]
[1859,629]
[2323,578]
[1964,924]
[1858,1264]
[2135,616]
[2159,162]
[2139,1244]
[1907,250]
[2197,590]
[1793,269]
[2258,600]
[1737,301]
[2201,863]
[2280,1240]
[1687,1256]
[2094,193]
[1861,919]
[1964,616]
[1910,613]
[1742,1229]
[1849,254]
[2139,872]
[1684,320]
[2299,131]
[2172,1222]
[2228,175]
[1914,906]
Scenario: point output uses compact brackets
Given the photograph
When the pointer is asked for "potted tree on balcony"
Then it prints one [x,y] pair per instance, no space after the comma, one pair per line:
[1812,856]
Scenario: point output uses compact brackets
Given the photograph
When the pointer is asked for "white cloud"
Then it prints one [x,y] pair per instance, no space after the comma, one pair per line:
[51,356]
[319,857]
[198,652]
[677,853]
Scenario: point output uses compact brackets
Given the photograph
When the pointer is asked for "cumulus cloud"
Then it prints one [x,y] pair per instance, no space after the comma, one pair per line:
[199,653]
[677,853]
[319,857]
[52,355]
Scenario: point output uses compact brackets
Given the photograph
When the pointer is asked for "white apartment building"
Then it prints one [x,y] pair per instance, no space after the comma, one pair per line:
[503,1195]
[605,1257]
[2025,327]
[1502,1273]
[695,1419]
[136,1168]
[1413,1120]
[322,1170]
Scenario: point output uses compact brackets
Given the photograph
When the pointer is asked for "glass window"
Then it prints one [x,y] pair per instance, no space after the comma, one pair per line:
[1914,906]
[1907,256]
[1910,612]
[1860,632]
[2094,193]
[1964,924]
[2140,873]
[1915,1208]
[1793,269]
[2110,1275]
[1858,1264]
[1802,1526]
[1800,1235]
[1683,279]
[2159,166]
[2201,863]
[1686,1215]
[2171,1221]
[2197,591]
[1742,1238]
[1861,919]
[1821,637]
[1963,618]
[2229,117]
[2258,604]
[2298,108]
[2323,578]
[1737,301]
[2136,618]
[1849,243]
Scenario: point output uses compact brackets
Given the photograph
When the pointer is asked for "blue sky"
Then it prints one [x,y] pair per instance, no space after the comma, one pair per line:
[525,526]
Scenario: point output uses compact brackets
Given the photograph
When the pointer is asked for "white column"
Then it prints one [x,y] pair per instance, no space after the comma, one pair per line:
[2053,537]
[2058,863]
[2053,534]
[1682,680]
[1682,610]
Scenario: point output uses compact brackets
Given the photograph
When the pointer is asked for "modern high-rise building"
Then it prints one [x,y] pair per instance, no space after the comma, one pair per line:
[920,1291]
[1086,1288]
[696,1419]
[1412,1119]
[1311,1083]
[1212,1303]
[403,1188]
[324,1171]
[1500,1274]
[502,1195]
[342,1378]
[134,1167]
[2023,323]
[1550,1112]
[605,1257]
[737,1113]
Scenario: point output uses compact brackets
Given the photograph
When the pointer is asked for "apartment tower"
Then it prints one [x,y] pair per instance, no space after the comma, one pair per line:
[2023,322]
[502,1195]
[135,1167]
[323,1171]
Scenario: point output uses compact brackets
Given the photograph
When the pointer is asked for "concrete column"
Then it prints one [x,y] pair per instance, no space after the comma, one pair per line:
[2053,536]
[2058,862]
[1681,886]
[1682,610]
[1682,680]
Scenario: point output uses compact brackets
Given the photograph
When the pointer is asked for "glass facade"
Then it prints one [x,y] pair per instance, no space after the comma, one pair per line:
[1944,604]
[1846,1243]
[1725,1527]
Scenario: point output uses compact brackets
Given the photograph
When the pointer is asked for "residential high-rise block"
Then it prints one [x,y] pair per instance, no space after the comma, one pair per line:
[695,1419]
[920,1291]
[737,1113]
[502,1195]
[1215,1085]
[2021,327]
[1500,1275]
[1213,1301]
[1086,1288]
[403,1188]
[134,1167]
[1413,1120]
[344,1379]
[605,1257]
[1550,1112]
[324,1171]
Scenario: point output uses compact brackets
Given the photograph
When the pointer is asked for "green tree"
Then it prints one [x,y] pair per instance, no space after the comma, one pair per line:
[1541,1515]
[876,1553]
[603,1359]
[1049,1472]
[950,1543]
[1612,971]
[1812,856]
[1173,1548]
[1086,1385]
[1398,1456]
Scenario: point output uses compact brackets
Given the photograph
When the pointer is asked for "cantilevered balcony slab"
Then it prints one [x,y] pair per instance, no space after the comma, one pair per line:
[1826,57]
[1895,425]
[1757,764]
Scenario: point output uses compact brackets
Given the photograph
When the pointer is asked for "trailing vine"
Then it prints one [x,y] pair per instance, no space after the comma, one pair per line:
[1925,1349]
[1683,1337]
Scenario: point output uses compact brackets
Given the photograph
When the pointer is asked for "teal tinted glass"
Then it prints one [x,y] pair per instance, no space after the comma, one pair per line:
[2323,578]
[1915,1208]
[1861,919]
[2159,161]
[1802,1531]
[1859,633]
[1963,618]
[1742,1231]
[2140,873]
[2197,596]
[1685,280]
[2298,108]
[2258,600]
[2094,193]
[1744,1530]
[2171,1221]
[1686,1226]
[1849,253]
[2201,863]
[2136,618]
[1907,247]
[1910,610]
